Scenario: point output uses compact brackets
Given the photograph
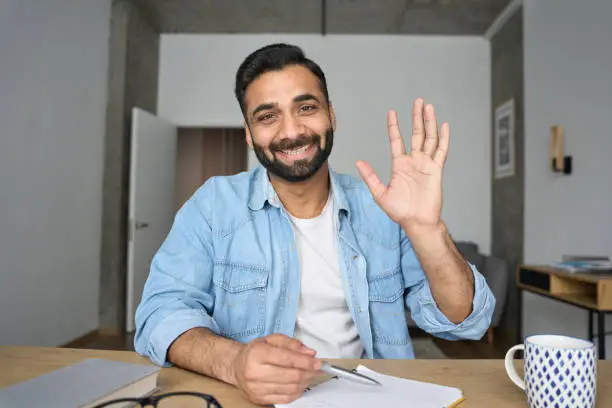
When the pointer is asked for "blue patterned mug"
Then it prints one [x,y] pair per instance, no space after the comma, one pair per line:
[559,371]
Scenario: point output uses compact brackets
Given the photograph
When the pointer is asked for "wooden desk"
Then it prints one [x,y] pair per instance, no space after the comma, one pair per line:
[484,382]
[590,291]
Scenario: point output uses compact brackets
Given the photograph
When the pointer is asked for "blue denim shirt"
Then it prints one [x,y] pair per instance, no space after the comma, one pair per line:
[229,263]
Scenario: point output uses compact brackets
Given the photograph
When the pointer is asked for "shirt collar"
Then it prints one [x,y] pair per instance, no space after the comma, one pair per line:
[340,201]
[262,191]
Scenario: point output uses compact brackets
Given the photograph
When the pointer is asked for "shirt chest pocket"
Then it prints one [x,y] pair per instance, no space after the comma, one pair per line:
[240,299]
[387,310]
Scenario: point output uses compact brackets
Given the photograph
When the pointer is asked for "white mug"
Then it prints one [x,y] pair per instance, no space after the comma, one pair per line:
[559,371]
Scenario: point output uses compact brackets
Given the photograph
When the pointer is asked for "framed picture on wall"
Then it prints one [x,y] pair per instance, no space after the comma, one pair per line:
[504,140]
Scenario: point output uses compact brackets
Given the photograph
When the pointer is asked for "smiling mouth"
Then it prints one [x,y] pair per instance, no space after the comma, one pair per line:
[296,151]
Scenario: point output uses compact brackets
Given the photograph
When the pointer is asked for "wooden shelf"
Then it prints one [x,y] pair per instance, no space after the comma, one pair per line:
[592,291]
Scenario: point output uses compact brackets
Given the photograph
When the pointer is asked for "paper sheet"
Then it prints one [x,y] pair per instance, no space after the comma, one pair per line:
[394,392]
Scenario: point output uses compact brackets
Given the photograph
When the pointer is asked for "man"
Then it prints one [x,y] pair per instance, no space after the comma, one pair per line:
[267,271]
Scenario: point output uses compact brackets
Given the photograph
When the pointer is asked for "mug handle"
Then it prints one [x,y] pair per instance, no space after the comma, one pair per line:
[511,370]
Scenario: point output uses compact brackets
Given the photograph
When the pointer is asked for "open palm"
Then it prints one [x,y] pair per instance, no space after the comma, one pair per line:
[414,194]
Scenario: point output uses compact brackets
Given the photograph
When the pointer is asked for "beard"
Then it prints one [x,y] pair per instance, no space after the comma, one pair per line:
[300,170]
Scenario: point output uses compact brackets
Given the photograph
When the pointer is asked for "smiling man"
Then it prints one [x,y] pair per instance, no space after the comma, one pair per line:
[265,272]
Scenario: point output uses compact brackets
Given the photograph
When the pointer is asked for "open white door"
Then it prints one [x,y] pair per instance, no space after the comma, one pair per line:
[151,199]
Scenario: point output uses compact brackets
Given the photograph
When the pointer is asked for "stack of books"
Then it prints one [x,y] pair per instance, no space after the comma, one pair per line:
[585,264]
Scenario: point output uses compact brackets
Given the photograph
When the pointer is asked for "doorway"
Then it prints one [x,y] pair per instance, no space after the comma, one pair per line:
[167,165]
[206,152]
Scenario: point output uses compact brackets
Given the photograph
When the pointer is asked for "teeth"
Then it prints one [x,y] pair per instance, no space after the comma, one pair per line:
[295,152]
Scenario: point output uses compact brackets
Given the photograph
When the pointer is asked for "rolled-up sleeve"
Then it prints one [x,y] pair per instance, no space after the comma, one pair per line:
[177,295]
[425,311]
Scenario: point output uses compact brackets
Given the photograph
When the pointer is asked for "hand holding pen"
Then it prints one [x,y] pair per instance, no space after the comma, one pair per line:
[274,369]
[277,369]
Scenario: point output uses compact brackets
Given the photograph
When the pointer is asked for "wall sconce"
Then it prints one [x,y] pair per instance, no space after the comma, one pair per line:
[560,163]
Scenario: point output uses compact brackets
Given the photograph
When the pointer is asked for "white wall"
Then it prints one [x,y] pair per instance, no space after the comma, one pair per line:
[367,75]
[52,106]
[568,81]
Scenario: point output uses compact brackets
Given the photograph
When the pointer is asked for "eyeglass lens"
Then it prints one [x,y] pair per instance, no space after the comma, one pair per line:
[171,401]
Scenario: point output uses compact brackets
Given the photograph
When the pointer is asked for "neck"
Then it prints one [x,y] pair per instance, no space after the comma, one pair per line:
[304,199]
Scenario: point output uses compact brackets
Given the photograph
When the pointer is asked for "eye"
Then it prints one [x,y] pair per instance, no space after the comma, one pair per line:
[266,117]
[308,108]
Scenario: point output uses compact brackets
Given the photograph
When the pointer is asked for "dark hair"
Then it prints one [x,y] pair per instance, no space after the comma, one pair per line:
[273,57]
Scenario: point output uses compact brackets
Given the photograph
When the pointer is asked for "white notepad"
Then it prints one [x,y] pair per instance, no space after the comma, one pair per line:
[394,392]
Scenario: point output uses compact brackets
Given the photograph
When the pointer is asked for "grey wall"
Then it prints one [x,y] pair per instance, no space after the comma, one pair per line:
[508,193]
[133,77]
[53,72]
[568,81]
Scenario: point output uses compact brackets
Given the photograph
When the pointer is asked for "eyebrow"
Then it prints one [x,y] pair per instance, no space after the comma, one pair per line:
[306,97]
[299,98]
[262,107]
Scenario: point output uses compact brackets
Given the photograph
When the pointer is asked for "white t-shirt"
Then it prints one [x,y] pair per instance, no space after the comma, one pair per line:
[324,321]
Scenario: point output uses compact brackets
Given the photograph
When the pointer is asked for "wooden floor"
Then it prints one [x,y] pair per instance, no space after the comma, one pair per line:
[123,342]
[467,349]
[452,349]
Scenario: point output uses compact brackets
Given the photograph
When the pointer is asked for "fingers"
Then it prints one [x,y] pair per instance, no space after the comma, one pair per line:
[418,130]
[284,375]
[264,373]
[431,131]
[395,137]
[281,389]
[291,359]
[288,353]
[442,150]
[377,188]
[280,340]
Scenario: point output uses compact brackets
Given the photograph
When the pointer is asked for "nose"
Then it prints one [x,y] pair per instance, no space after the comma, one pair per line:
[292,127]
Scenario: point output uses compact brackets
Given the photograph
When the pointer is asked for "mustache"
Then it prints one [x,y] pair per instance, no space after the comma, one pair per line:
[289,144]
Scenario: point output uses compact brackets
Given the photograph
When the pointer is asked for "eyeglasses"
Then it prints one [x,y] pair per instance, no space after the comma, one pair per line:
[183,399]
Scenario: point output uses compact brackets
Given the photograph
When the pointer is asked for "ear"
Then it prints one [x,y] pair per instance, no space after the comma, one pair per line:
[247,134]
[332,116]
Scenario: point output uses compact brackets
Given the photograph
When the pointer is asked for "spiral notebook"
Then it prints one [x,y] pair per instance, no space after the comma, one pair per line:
[394,392]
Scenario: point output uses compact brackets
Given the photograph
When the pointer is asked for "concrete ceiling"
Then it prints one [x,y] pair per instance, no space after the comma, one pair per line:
[442,17]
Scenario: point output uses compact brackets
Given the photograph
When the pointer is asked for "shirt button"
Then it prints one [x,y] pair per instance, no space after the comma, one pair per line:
[355,257]
[358,309]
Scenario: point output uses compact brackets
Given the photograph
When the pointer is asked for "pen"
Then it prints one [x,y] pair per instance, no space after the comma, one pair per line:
[352,375]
